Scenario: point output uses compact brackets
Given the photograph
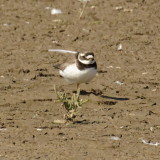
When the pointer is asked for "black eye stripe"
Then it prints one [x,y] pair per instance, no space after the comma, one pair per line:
[83,58]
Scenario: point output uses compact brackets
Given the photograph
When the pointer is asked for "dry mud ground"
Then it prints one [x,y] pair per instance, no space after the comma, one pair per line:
[128,110]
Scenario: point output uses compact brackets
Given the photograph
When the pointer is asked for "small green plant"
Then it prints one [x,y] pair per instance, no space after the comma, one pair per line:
[71,103]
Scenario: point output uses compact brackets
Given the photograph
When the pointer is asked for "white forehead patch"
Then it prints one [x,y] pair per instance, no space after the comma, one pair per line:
[89,56]
[82,54]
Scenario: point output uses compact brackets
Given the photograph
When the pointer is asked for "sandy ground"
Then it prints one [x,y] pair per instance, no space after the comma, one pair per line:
[121,119]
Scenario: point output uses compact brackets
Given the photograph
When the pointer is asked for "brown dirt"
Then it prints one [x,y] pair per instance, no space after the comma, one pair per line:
[129,111]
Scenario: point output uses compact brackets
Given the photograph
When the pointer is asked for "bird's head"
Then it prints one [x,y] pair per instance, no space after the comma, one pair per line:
[86,58]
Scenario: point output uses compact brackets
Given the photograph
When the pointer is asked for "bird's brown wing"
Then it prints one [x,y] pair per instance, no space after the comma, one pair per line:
[61,66]
[63,60]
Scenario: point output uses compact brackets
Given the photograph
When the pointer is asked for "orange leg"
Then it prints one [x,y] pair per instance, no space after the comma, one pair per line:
[78,87]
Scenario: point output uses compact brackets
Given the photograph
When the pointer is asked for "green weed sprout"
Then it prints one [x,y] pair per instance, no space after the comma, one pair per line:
[70,103]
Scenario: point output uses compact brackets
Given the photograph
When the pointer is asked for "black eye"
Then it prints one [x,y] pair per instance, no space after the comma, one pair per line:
[83,56]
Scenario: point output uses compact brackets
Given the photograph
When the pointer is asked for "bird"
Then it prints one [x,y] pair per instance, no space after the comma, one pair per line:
[82,70]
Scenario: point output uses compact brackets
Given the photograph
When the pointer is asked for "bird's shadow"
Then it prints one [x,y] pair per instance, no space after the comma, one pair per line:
[83,92]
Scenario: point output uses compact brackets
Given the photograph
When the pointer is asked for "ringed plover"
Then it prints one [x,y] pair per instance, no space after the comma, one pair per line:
[82,70]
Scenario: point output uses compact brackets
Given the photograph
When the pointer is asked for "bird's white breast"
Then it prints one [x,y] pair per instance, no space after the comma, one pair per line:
[73,75]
